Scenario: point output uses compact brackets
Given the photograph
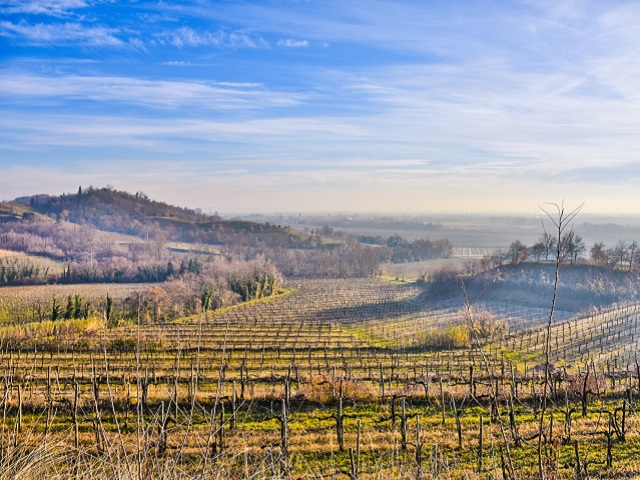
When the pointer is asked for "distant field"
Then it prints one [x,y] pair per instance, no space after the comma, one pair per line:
[29,303]
[89,290]
[54,267]
[182,247]
[472,252]
[413,270]
[487,233]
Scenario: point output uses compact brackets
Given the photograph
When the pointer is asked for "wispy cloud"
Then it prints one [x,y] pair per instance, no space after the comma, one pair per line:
[291,43]
[24,33]
[54,8]
[144,133]
[421,103]
[189,37]
[134,91]
[186,63]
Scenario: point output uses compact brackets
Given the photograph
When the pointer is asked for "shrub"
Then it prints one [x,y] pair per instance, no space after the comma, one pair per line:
[325,389]
[483,324]
[452,336]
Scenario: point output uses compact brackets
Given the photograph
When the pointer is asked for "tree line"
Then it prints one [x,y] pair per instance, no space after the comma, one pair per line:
[214,286]
[402,250]
[624,255]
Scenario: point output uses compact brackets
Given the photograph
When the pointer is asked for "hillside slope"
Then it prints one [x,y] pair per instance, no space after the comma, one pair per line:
[530,284]
[136,214]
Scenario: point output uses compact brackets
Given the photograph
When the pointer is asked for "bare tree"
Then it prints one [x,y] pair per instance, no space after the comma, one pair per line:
[518,252]
[633,249]
[598,254]
[561,221]
[537,250]
[500,256]
[548,242]
[621,253]
[571,246]
[578,247]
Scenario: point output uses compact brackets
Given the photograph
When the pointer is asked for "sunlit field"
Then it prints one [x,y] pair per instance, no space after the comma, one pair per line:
[336,377]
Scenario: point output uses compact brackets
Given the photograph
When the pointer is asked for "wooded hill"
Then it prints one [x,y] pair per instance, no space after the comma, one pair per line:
[104,235]
[136,214]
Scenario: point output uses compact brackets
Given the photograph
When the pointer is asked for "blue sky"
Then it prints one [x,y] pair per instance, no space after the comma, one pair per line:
[303,105]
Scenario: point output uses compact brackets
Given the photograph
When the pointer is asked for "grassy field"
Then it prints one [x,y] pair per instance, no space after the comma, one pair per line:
[42,262]
[334,379]
[414,270]
[25,304]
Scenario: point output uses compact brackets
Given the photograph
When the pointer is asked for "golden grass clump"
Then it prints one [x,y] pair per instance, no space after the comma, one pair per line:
[326,389]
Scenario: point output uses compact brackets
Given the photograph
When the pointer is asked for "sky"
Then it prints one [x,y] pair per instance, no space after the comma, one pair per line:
[325,106]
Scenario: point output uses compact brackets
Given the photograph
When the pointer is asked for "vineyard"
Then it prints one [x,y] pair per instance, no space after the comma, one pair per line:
[19,305]
[335,378]
[472,252]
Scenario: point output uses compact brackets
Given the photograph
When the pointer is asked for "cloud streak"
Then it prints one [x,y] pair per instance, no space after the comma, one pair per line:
[291,43]
[397,102]
[60,34]
[135,91]
[53,8]
[189,37]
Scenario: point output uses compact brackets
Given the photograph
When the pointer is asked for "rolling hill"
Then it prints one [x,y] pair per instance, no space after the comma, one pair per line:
[136,214]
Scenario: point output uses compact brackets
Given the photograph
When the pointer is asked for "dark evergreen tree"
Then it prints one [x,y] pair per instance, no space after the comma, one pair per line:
[56,311]
[68,314]
[77,307]
[206,299]
[109,309]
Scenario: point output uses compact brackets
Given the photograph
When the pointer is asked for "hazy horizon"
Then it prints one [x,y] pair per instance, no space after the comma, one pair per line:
[325,106]
[534,213]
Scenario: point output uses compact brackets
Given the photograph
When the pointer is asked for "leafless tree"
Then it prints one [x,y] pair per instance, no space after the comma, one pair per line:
[500,256]
[599,254]
[621,253]
[548,243]
[561,221]
[537,250]
[633,250]
[518,252]
[572,246]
